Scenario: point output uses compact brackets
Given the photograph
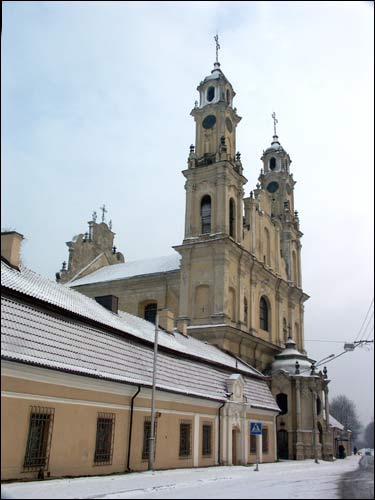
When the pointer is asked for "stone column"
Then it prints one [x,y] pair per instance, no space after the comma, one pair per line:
[326,404]
[299,443]
[244,441]
[328,439]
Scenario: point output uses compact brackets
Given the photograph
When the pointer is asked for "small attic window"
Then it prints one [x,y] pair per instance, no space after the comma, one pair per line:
[272,163]
[210,93]
[228,96]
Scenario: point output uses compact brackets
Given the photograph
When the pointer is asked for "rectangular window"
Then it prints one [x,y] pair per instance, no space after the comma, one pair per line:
[146,437]
[185,439]
[105,433]
[39,438]
[207,440]
[265,440]
[253,444]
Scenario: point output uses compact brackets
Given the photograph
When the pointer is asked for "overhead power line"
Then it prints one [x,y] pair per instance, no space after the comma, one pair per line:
[367,325]
[364,321]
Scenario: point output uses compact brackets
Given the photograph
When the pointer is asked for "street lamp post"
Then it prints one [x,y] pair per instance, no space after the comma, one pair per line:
[152,430]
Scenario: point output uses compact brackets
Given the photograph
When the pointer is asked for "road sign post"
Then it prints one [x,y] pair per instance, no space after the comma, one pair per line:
[256,430]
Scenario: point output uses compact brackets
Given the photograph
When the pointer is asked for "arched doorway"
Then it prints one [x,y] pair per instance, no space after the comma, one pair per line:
[282,444]
[236,446]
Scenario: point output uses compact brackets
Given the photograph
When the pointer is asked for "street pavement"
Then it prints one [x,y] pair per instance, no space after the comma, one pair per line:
[359,483]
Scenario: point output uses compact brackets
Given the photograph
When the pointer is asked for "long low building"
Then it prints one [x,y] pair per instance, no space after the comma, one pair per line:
[76,389]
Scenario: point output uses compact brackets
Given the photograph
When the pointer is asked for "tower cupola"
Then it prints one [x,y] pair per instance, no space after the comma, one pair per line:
[275,158]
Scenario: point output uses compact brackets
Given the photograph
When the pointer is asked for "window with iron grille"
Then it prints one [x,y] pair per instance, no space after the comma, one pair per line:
[146,437]
[207,440]
[39,438]
[265,440]
[105,433]
[185,439]
[253,443]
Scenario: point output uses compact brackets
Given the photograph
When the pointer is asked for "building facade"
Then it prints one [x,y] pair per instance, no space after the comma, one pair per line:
[76,381]
[235,280]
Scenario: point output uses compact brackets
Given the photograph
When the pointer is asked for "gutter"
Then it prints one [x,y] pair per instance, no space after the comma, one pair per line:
[131,427]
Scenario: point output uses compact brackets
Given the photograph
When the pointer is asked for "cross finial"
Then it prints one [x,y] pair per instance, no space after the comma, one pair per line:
[94,216]
[274,122]
[104,211]
[216,38]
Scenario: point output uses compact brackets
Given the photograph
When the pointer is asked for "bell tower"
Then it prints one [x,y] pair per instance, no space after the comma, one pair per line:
[276,178]
[214,180]
[214,207]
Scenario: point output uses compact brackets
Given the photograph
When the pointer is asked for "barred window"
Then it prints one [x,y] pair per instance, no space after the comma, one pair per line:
[207,440]
[185,439]
[105,433]
[146,437]
[265,440]
[253,443]
[39,438]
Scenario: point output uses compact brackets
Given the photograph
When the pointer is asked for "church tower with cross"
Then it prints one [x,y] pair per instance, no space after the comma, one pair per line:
[240,279]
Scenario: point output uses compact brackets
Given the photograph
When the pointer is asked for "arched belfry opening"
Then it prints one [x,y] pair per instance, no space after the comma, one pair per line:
[232,218]
[206,214]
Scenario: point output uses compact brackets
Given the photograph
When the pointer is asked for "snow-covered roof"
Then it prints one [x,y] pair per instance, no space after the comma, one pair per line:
[33,334]
[130,269]
[34,285]
[335,423]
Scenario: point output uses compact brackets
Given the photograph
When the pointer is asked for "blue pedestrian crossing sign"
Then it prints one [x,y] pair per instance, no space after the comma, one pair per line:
[255,428]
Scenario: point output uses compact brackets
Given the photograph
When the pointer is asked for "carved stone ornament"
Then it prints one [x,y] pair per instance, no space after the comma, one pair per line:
[305,391]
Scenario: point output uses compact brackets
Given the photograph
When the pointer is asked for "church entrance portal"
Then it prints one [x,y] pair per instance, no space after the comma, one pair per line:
[282,444]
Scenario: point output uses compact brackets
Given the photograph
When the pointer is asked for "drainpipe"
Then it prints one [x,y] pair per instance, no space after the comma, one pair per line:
[131,427]
[219,434]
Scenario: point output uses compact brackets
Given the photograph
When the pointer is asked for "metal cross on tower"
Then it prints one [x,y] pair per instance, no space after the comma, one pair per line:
[104,210]
[216,38]
[274,122]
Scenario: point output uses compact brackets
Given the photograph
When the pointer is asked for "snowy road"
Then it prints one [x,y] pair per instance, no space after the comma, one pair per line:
[288,479]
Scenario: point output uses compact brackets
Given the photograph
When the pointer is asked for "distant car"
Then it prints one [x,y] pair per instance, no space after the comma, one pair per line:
[366,451]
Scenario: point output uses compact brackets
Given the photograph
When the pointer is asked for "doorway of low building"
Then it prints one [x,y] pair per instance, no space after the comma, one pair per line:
[234,447]
[282,444]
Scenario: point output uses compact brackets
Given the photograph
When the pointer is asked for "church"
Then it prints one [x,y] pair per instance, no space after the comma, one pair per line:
[235,280]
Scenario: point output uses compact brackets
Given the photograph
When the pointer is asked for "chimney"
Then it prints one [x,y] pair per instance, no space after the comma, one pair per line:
[110,302]
[182,327]
[11,246]
[166,320]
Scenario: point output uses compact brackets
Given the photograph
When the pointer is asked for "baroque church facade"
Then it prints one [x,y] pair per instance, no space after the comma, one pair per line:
[235,280]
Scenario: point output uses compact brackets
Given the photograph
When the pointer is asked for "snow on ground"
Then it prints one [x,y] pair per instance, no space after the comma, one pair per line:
[286,479]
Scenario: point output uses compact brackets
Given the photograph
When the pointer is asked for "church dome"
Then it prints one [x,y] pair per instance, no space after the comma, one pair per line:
[287,359]
[275,146]
[216,74]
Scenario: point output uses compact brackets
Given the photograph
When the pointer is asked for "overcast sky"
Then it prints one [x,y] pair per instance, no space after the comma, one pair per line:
[96,100]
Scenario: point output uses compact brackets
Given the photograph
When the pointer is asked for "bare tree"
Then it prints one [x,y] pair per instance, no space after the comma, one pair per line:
[369,435]
[344,410]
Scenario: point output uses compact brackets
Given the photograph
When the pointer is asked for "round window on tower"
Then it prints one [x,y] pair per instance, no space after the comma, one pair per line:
[272,187]
[209,121]
[210,94]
